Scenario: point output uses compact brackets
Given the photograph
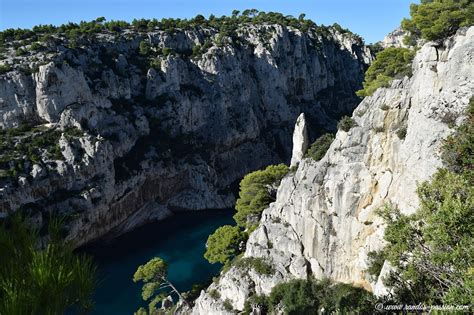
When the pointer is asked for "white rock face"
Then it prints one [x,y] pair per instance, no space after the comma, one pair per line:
[323,221]
[300,140]
[57,88]
[394,39]
[175,137]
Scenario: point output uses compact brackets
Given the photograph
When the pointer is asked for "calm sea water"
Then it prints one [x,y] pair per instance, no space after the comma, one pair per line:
[180,240]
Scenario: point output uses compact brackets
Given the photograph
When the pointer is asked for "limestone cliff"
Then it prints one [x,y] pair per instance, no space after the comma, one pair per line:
[323,221]
[129,143]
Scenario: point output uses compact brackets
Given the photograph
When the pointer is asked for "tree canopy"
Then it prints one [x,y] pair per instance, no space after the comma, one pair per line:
[389,64]
[437,19]
[257,191]
[224,244]
[156,284]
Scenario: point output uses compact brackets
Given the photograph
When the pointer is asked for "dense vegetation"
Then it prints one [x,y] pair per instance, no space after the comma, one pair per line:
[52,280]
[225,25]
[156,285]
[346,123]
[301,297]
[318,149]
[437,19]
[257,190]
[391,63]
[224,244]
[432,250]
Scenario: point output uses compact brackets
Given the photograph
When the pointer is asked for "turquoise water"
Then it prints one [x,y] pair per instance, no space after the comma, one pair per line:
[180,240]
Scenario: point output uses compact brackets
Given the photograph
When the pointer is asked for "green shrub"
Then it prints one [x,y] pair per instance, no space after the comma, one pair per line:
[457,150]
[155,63]
[319,148]
[5,68]
[437,19]
[223,244]
[20,52]
[346,123]
[73,133]
[256,301]
[214,294]
[256,193]
[296,296]
[311,296]
[379,129]
[228,305]
[256,263]
[36,46]
[391,63]
[167,51]
[402,133]
[144,48]
[376,260]
[196,51]
[431,250]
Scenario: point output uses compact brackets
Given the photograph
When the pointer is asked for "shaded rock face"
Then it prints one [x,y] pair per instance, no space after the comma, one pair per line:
[175,137]
[323,222]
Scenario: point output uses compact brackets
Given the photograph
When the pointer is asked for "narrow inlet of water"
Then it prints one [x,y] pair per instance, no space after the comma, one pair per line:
[180,240]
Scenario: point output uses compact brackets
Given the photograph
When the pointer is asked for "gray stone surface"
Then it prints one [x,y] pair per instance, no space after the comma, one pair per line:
[176,137]
[323,222]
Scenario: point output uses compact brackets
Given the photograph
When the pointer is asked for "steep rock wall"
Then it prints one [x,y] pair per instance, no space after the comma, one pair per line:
[171,138]
[323,221]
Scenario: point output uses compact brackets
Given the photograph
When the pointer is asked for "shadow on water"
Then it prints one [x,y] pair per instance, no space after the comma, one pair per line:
[180,240]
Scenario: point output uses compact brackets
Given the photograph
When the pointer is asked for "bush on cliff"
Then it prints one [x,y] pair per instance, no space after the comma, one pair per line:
[391,63]
[302,296]
[257,191]
[319,148]
[437,19]
[52,280]
[224,244]
[346,123]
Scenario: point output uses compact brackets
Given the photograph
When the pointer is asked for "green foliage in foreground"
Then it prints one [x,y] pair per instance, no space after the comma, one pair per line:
[310,296]
[319,148]
[437,19]
[224,244]
[156,285]
[257,191]
[49,281]
[432,250]
[391,63]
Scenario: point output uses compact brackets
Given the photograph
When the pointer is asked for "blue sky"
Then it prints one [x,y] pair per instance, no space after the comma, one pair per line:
[372,19]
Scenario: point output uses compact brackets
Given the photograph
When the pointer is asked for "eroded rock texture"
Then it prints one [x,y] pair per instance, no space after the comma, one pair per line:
[323,221]
[172,137]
